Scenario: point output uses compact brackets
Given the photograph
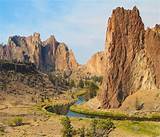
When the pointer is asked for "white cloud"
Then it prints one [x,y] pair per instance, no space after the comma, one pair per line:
[82,24]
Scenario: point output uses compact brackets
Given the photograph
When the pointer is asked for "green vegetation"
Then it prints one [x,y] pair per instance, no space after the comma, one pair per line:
[2,130]
[60,109]
[140,128]
[80,92]
[81,132]
[3,85]
[81,83]
[104,114]
[56,106]
[88,91]
[59,79]
[72,83]
[97,79]
[138,104]
[92,90]
[116,115]
[67,130]
[100,128]
[16,121]
[97,128]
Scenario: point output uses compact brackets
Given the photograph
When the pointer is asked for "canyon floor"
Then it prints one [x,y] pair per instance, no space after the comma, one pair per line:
[38,123]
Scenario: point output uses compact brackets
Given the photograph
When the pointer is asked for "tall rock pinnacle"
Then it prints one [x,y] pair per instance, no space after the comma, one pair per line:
[128,67]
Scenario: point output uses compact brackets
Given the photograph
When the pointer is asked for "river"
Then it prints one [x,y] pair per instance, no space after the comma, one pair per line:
[70,113]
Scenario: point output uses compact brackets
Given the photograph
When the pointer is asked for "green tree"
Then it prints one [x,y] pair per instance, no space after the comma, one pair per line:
[97,79]
[104,127]
[86,82]
[100,79]
[100,128]
[72,83]
[81,84]
[93,127]
[93,89]
[67,130]
[81,132]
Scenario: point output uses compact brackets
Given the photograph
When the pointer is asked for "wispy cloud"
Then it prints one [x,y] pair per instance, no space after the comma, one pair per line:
[81,24]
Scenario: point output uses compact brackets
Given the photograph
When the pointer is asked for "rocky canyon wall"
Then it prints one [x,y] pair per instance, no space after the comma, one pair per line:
[132,56]
[96,64]
[48,55]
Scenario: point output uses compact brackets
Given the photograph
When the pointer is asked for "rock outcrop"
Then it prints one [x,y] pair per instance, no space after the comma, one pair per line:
[47,55]
[152,47]
[129,68]
[64,58]
[96,64]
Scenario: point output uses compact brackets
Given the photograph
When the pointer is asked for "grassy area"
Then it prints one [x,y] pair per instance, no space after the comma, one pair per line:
[100,113]
[80,92]
[114,114]
[61,103]
[129,128]
[139,128]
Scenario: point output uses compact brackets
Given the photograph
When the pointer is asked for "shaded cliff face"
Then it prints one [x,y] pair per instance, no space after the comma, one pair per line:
[152,47]
[65,58]
[128,66]
[48,55]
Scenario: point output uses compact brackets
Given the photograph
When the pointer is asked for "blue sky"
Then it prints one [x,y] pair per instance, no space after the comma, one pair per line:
[81,24]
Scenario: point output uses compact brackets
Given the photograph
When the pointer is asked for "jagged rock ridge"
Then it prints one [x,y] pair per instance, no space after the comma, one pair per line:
[131,64]
[47,55]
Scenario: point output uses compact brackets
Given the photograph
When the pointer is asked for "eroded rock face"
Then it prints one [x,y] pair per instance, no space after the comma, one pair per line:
[48,55]
[128,66]
[72,60]
[97,64]
[152,47]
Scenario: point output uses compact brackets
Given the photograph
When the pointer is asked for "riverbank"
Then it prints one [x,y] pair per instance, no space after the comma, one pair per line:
[115,114]
[62,104]
[37,122]
[81,109]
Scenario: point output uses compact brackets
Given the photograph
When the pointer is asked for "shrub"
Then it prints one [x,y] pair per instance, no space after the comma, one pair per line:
[97,79]
[93,127]
[2,128]
[17,121]
[86,82]
[138,104]
[72,84]
[93,89]
[100,128]
[81,132]
[67,130]
[81,84]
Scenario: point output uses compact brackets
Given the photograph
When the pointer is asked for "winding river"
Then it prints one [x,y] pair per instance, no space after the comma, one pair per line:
[70,113]
[65,110]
